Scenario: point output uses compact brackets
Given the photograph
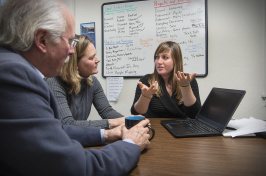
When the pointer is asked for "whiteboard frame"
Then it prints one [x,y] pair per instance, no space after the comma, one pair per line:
[130,1]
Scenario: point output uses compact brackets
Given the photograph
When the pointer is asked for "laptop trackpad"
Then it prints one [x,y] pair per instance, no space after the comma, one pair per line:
[177,128]
[174,125]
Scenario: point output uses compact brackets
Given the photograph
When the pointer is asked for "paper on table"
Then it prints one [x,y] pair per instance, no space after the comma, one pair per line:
[114,87]
[245,127]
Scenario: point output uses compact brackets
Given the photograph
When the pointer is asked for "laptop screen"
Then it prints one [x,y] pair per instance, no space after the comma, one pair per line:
[220,106]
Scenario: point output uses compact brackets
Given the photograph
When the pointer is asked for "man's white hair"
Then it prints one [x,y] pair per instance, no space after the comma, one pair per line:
[19,19]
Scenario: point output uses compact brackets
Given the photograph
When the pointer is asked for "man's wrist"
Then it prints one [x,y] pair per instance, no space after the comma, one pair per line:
[129,141]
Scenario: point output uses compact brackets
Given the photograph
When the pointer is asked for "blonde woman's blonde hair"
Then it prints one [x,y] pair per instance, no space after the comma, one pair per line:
[70,74]
[176,55]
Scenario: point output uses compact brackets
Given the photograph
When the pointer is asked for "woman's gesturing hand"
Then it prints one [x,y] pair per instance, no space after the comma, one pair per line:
[184,79]
[148,91]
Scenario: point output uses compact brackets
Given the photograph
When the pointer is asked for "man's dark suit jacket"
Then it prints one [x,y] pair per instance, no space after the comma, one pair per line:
[34,142]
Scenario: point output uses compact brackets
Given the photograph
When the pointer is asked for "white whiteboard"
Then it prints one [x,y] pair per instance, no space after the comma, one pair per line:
[132,30]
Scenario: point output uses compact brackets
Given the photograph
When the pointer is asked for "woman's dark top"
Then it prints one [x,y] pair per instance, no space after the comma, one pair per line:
[166,106]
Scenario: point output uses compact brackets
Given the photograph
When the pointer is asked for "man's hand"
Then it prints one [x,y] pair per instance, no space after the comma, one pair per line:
[113,135]
[138,134]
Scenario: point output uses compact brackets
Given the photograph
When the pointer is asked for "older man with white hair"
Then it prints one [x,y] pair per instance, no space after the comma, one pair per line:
[36,36]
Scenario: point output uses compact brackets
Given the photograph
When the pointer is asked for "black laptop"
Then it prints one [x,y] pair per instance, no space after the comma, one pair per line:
[213,116]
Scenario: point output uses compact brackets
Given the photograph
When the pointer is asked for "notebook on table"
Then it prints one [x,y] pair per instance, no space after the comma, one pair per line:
[213,117]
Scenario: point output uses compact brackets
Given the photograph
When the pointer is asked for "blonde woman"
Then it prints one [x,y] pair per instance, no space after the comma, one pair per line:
[168,92]
[76,89]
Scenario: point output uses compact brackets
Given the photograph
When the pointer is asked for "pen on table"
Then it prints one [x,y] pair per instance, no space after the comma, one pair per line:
[230,128]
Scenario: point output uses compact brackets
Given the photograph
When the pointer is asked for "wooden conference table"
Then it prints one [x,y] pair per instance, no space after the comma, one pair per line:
[201,155]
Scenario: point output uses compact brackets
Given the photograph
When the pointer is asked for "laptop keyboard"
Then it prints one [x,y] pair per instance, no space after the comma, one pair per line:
[195,126]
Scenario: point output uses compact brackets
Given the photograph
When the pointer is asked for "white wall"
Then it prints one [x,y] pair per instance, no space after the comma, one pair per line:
[236,52]
[264,94]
